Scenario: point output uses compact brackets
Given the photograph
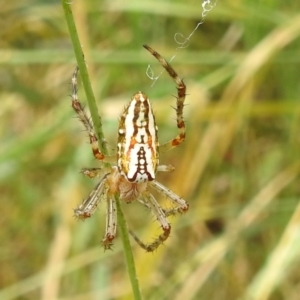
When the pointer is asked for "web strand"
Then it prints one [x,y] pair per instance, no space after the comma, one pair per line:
[182,41]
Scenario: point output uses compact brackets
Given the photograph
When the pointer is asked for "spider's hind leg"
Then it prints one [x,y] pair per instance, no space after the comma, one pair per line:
[151,203]
[167,211]
[181,205]
[111,223]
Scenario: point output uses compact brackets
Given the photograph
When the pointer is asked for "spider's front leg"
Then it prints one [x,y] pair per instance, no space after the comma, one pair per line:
[84,118]
[165,168]
[91,172]
[181,93]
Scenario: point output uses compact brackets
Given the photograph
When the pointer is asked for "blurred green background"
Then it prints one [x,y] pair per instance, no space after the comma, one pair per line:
[238,168]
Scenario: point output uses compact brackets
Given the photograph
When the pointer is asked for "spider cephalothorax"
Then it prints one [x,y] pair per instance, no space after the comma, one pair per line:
[137,162]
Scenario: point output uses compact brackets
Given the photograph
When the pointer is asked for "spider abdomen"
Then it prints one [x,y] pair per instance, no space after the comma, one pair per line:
[137,141]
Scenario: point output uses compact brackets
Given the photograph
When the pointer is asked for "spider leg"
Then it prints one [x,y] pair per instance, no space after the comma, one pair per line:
[144,203]
[168,212]
[91,172]
[157,211]
[161,189]
[84,118]
[165,168]
[181,205]
[181,92]
[90,204]
[172,211]
[111,223]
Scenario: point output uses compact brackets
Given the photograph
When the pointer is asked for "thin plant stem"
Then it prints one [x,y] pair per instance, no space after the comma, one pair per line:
[101,140]
[84,76]
[128,251]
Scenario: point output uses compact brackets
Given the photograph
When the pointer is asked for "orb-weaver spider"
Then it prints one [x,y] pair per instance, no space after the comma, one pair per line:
[137,162]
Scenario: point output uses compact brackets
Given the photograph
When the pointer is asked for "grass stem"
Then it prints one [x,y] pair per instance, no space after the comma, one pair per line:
[101,140]
[128,251]
[84,76]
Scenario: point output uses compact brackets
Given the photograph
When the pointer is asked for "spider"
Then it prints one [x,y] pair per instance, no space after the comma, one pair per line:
[137,162]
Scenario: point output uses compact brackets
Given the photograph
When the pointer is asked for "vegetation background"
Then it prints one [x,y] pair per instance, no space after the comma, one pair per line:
[238,169]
